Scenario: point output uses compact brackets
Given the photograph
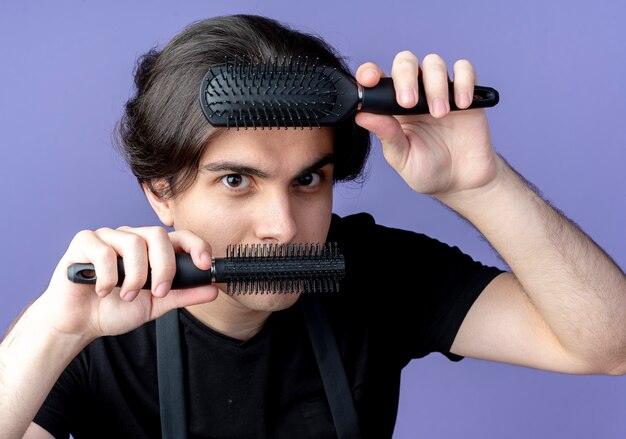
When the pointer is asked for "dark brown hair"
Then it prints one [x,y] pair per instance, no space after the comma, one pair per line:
[163,131]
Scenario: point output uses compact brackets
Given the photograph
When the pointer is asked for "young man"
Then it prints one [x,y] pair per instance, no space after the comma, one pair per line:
[81,360]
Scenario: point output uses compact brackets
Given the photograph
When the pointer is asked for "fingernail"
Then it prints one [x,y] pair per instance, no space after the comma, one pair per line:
[103,293]
[407,96]
[130,295]
[205,257]
[372,73]
[464,100]
[161,289]
[440,107]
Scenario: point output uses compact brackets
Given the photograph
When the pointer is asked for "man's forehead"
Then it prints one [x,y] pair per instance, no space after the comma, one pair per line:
[250,146]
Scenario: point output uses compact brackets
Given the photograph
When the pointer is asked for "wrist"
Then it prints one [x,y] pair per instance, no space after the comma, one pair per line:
[466,201]
[37,322]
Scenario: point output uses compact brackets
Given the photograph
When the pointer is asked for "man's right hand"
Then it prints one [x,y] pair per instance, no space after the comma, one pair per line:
[92,311]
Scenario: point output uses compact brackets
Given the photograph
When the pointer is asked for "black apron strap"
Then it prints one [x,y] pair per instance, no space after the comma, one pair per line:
[331,368]
[170,377]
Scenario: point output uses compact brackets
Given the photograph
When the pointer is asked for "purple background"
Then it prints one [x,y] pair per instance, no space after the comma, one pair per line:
[65,72]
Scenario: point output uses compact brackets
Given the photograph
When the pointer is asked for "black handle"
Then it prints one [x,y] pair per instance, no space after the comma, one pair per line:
[381,99]
[187,274]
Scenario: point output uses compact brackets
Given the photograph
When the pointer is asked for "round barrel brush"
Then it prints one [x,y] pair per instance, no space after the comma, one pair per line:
[251,269]
[297,93]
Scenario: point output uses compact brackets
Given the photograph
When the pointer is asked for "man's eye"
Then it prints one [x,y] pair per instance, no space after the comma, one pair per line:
[235,181]
[310,179]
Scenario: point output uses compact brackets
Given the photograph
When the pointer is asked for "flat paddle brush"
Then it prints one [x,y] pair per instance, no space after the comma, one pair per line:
[300,94]
[251,269]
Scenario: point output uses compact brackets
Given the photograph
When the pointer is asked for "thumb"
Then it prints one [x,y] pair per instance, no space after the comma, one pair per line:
[391,135]
[182,298]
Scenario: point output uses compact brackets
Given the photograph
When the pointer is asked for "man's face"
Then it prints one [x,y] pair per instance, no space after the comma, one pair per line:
[261,186]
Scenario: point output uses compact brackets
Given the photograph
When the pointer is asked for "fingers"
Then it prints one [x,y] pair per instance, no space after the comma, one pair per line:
[390,133]
[133,249]
[160,254]
[435,78]
[182,298]
[405,72]
[92,249]
[464,81]
[146,251]
[198,248]
[369,74]
[161,248]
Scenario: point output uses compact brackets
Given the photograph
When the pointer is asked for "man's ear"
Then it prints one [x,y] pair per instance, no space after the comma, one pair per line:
[162,207]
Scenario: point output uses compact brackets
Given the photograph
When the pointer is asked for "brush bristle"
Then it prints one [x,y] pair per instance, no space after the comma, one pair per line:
[294,92]
[283,268]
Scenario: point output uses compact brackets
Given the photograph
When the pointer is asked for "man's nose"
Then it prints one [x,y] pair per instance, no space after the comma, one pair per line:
[275,220]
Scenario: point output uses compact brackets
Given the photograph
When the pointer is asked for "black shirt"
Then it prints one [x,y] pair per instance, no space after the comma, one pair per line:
[405,295]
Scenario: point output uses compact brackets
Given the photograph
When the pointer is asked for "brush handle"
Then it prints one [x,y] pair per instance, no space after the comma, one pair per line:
[251,268]
[381,99]
[187,274]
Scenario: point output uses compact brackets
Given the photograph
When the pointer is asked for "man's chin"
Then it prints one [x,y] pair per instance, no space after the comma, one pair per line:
[268,302]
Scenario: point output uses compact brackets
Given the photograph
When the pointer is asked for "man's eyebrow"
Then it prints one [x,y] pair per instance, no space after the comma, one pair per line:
[328,158]
[235,168]
[240,168]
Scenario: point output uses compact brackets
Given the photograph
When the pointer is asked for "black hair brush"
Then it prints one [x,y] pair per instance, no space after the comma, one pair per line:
[297,93]
[252,268]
